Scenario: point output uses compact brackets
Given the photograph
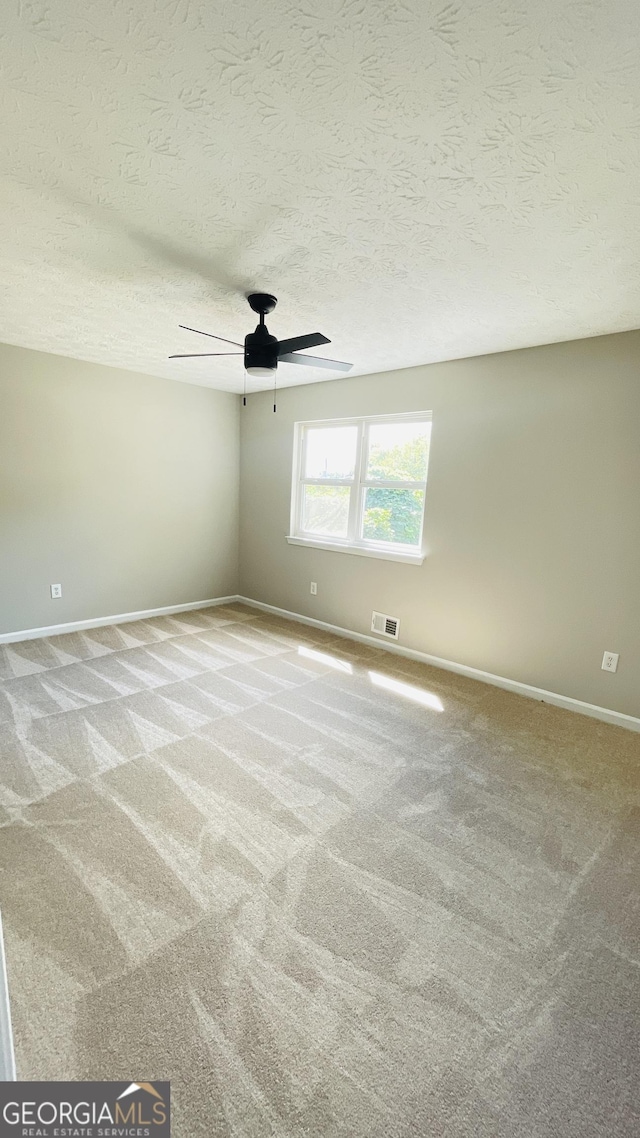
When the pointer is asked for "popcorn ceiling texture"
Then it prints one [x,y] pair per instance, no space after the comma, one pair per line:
[419,181]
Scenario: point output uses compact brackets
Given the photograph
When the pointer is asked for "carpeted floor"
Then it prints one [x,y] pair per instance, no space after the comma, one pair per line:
[237,855]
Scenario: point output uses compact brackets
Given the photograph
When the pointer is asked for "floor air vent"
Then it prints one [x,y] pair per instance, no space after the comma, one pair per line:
[385,625]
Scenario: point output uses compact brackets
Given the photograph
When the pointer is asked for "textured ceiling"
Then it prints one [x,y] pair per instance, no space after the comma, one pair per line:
[419,181]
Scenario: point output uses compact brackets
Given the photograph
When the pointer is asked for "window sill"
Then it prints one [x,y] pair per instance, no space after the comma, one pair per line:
[359,550]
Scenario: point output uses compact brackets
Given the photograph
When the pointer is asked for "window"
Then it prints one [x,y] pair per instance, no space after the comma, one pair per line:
[359,485]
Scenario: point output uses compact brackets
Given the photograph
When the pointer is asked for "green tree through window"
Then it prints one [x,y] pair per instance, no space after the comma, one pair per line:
[389,514]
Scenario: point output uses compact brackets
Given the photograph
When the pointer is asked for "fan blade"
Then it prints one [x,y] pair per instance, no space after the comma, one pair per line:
[212,336]
[201,355]
[315,361]
[313,340]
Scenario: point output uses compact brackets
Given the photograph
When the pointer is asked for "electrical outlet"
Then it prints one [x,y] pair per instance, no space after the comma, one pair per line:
[56,592]
[610,662]
[314,588]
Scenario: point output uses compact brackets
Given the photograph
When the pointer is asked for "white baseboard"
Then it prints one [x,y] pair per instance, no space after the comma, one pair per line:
[591,709]
[604,713]
[98,621]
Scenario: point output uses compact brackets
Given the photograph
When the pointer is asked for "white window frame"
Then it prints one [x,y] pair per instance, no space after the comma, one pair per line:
[388,551]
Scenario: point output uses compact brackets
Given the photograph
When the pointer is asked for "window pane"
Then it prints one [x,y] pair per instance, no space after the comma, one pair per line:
[398,452]
[392,515]
[325,510]
[331,452]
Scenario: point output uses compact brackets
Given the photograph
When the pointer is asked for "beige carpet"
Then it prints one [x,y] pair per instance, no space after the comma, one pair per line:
[317,906]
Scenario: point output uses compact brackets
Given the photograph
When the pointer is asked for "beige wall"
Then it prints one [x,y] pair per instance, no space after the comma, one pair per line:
[532,520]
[120,486]
[123,488]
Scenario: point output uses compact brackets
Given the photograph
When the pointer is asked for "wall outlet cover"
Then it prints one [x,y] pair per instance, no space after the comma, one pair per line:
[610,661]
[56,592]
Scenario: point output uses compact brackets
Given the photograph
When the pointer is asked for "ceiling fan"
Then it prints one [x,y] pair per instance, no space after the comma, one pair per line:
[262,351]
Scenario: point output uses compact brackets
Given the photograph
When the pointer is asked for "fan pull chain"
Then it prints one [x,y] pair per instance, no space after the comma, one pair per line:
[244,391]
[274,389]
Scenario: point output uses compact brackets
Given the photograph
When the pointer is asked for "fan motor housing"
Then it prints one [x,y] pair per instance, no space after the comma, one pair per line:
[261,349]
[262,302]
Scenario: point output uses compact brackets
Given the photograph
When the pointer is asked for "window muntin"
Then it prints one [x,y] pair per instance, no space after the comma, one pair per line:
[361,483]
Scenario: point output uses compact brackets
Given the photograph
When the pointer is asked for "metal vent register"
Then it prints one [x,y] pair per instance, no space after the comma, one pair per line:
[385,625]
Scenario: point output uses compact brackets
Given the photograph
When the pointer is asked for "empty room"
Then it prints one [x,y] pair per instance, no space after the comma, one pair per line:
[319,567]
